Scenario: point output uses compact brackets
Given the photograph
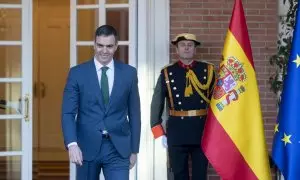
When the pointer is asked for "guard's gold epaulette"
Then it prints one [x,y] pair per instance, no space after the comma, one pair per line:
[168,65]
[207,62]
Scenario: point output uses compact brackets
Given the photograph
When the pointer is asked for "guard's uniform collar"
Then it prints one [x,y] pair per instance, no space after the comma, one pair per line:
[191,65]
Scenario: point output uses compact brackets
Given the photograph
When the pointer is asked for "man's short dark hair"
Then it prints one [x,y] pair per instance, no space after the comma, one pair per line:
[106,30]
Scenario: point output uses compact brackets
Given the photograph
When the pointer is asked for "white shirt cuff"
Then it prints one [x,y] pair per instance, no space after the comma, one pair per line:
[72,143]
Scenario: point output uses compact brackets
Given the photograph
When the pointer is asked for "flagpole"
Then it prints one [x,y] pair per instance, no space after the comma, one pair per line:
[278,174]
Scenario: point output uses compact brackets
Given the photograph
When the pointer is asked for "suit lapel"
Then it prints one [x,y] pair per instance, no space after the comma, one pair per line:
[116,84]
[94,83]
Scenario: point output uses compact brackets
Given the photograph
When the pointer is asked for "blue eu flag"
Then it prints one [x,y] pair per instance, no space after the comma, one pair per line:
[286,145]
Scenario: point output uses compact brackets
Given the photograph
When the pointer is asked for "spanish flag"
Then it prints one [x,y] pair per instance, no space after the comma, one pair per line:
[233,138]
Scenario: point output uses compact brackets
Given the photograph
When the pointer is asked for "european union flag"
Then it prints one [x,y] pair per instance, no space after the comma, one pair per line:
[286,145]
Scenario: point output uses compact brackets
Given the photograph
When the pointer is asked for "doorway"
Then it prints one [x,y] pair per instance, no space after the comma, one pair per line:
[51,62]
[47,23]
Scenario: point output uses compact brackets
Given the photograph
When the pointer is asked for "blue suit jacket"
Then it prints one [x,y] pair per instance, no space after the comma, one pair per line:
[84,114]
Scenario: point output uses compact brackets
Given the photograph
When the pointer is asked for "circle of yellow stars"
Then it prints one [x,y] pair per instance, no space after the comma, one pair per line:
[286,138]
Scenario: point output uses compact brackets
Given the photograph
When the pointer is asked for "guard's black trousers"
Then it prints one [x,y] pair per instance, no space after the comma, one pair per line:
[178,158]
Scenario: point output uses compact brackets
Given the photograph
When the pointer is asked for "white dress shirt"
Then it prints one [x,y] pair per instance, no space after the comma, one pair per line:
[110,73]
[110,76]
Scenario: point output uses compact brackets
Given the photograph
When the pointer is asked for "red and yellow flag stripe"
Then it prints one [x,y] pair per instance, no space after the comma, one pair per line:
[233,138]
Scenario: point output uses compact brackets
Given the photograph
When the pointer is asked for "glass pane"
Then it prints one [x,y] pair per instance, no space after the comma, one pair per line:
[10,24]
[10,135]
[119,19]
[10,98]
[10,167]
[87,23]
[10,1]
[10,61]
[81,2]
[116,1]
[84,53]
[122,54]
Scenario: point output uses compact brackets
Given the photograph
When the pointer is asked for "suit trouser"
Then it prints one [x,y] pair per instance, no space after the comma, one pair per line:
[114,166]
[179,156]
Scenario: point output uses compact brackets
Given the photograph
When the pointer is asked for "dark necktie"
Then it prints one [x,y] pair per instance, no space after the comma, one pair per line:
[104,85]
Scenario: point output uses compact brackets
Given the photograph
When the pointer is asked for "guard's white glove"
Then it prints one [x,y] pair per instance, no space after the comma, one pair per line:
[163,140]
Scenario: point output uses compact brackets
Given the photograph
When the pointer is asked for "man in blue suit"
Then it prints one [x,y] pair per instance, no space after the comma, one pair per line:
[101,118]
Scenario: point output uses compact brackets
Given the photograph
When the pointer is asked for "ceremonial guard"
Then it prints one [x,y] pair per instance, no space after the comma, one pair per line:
[187,86]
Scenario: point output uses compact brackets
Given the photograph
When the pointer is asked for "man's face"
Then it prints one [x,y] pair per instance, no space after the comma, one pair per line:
[186,49]
[105,48]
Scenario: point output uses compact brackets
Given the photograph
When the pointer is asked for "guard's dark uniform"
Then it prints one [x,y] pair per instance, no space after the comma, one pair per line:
[187,89]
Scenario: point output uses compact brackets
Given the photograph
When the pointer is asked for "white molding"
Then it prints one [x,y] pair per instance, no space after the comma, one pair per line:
[90,6]
[153,54]
[132,41]
[73,34]
[162,34]
[11,6]
[27,68]
[101,13]
[10,117]
[132,53]
[10,80]
[85,43]
[10,43]
[117,6]
[162,58]
[145,157]
[14,153]
[72,171]
[107,6]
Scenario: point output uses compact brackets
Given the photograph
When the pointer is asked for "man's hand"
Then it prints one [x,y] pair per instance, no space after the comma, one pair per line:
[132,160]
[163,140]
[75,154]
